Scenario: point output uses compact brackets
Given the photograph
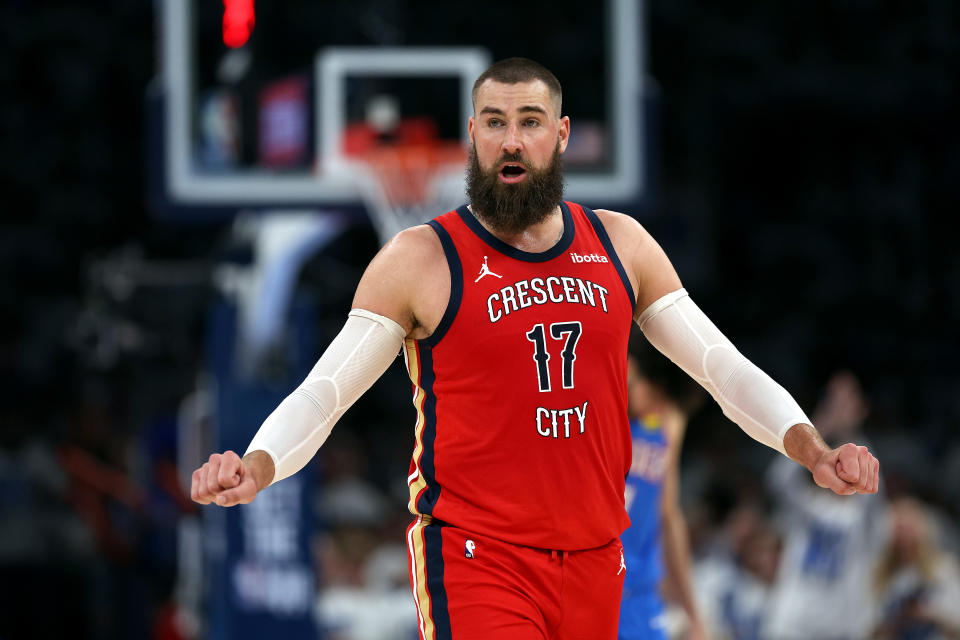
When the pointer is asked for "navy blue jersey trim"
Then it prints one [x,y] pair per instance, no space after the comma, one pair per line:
[605,241]
[569,230]
[456,284]
[433,550]
[429,496]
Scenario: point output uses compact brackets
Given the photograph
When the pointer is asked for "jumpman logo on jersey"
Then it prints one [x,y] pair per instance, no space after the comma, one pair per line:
[485,271]
[623,563]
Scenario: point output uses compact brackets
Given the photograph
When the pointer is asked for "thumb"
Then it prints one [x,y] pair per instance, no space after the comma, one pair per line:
[848,463]
[244,493]
[826,474]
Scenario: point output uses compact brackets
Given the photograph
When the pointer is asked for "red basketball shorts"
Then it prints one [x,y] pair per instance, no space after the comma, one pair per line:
[468,586]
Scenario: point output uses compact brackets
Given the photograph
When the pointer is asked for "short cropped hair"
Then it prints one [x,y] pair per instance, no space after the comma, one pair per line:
[516,70]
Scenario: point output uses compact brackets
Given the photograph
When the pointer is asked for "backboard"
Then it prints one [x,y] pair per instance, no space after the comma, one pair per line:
[272,124]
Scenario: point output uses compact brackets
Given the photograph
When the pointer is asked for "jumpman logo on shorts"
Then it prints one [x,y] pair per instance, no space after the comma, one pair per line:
[623,563]
[485,271]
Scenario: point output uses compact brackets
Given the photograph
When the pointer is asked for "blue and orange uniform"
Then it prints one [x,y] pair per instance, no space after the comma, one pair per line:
[641,611]
[522,439]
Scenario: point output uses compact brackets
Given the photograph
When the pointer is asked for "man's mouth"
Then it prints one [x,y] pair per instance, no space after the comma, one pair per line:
[512,172]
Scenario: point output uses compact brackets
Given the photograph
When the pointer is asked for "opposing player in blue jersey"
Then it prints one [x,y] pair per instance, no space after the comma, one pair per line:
[661,396]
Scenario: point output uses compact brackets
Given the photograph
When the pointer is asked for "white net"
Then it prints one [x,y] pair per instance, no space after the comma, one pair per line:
[406,185]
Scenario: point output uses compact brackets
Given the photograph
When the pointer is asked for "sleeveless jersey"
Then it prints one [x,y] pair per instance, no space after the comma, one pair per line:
[522,430]
[641,542]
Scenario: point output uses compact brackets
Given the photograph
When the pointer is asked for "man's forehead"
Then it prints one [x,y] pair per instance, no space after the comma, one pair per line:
[511,96]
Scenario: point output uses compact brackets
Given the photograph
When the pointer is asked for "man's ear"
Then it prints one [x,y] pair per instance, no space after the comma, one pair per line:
[564,133]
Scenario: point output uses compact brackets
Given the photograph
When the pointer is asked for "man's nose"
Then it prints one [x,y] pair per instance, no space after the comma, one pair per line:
[511,141]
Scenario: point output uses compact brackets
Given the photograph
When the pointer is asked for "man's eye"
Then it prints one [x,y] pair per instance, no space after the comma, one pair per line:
[494,123]
[532,123]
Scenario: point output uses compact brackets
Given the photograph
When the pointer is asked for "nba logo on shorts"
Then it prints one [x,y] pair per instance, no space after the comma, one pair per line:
[468,548]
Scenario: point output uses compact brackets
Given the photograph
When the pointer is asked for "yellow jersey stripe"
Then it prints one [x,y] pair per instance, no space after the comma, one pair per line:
[418,560]
[416,481]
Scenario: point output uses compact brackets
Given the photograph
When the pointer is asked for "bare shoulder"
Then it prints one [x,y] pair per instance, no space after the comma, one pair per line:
[399,280]
[411,248]
[623,228]
[650,271]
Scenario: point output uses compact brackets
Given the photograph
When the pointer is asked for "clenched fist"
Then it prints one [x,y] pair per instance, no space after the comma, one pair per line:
[227,480]
[847,470]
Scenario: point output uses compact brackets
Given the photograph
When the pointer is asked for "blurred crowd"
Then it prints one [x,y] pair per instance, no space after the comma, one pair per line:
[93,522]
[88,528]
[786,559]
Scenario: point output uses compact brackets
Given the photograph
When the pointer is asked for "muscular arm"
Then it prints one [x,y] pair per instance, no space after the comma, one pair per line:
[748,396]
[392,301]
[408,281]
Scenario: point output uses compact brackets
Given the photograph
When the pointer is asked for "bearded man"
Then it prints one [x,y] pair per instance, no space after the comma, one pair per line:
[513,314]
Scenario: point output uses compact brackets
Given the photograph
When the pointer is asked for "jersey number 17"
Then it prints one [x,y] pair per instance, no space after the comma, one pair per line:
[541,356]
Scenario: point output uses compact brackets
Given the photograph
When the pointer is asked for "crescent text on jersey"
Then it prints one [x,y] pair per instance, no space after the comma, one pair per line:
[539,291]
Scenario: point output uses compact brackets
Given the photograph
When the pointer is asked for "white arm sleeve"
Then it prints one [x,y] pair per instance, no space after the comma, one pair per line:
[682,332]
[359,355]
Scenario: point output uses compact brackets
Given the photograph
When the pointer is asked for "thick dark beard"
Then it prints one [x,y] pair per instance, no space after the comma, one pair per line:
[511,208]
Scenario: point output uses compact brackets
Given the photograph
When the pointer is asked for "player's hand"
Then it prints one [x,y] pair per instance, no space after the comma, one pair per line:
[847,470]
[224,480]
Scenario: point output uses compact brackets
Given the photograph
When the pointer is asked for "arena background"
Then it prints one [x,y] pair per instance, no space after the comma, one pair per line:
[802,168]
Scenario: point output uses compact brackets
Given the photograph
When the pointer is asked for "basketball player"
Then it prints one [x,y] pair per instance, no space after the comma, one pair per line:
[659,399]
[522,443]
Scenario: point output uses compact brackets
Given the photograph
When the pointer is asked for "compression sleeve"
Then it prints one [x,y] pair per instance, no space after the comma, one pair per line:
[681,331]
[359,355]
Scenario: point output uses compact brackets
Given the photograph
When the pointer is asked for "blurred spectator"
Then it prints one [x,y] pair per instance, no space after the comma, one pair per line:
[656,547]
[830,542]
[46,551]
[917,583]
[746,599]
[365,593]
[730,597]
[378,607]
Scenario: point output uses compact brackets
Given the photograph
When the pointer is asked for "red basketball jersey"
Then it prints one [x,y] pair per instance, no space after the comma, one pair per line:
[522,430]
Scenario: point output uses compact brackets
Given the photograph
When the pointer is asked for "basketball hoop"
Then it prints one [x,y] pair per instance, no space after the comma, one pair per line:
[408,184]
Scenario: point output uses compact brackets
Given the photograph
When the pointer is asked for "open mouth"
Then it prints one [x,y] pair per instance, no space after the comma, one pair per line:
[512,172]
